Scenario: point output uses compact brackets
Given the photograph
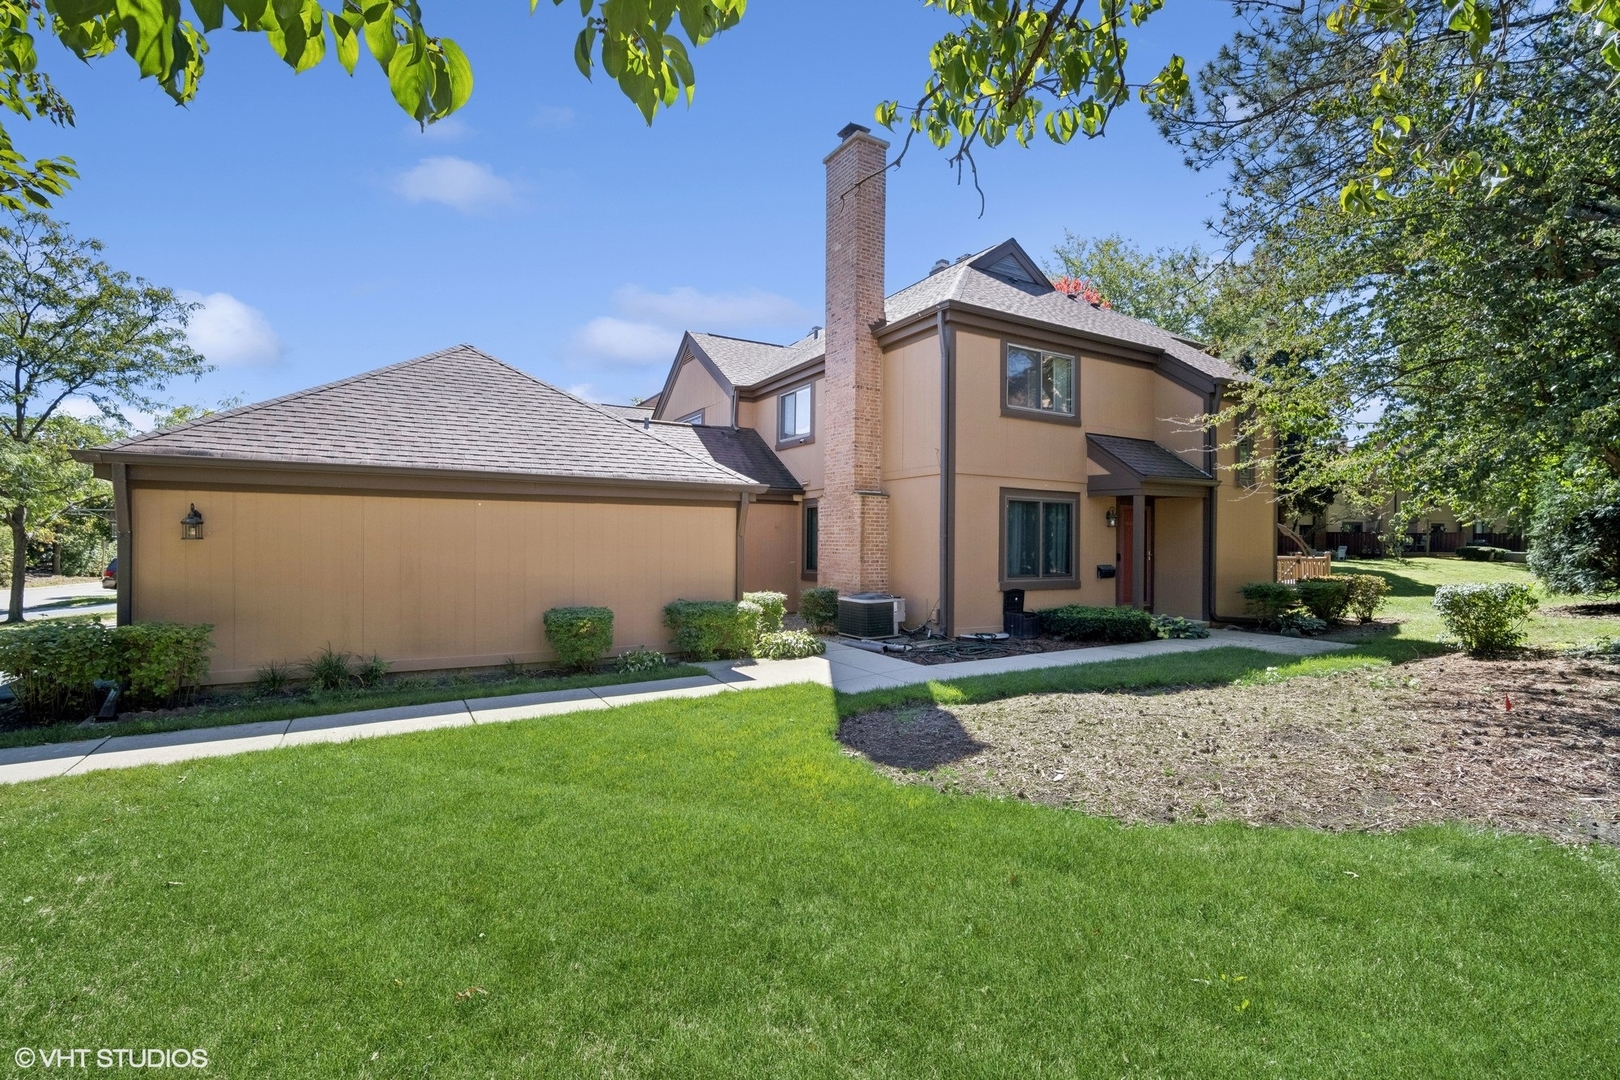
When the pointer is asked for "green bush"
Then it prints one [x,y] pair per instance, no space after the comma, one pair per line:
[161,663]
[1480,553]
[641,659]
[581,636]
[1325,598]
[713,629]
[53,667]
[329,669]
[1299,623]
[1074,622]
[370,672]
[1174,626]
[772,605]
[1486,619]
[819,608]
[272,679]
[1269,600]
[1366,595]
[788,645]
[1575,539]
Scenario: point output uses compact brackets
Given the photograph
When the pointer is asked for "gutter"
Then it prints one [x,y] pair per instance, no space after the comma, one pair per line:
[947,475]
[1211,502]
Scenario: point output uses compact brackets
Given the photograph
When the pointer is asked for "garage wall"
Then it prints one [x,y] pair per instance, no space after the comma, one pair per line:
[424,582]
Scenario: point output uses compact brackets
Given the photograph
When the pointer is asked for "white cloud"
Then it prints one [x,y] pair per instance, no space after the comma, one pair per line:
[687,308]
[625,341]
[584,391]
[468,186]
[647,327]
[552,116]
[230,333]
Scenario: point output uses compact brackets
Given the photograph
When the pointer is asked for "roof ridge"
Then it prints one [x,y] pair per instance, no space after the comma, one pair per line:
[747,341]
[309,391]
[634,425]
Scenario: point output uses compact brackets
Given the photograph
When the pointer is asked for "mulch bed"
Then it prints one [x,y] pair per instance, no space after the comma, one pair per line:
[949,652]
[1428,741]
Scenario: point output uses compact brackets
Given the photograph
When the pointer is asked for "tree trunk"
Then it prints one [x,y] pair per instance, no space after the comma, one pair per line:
[56,558]
[19,561]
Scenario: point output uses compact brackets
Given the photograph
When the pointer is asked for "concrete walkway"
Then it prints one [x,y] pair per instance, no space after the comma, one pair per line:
[844,668]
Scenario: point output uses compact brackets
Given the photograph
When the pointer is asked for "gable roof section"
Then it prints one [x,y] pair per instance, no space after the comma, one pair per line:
[739,449]
[747,363]
[458,410]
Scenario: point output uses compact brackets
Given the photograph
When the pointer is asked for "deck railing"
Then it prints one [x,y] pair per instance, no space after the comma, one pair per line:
[1294,568]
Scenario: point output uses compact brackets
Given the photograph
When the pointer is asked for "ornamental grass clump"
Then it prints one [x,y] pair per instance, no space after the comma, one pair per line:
[580,636]
[329,669]
[1487,619]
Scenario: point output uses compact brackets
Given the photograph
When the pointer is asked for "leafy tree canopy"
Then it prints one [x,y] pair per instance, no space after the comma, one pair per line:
[1010,68]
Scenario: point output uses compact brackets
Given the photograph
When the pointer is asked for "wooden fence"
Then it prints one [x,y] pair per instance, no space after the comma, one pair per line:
[1292,568]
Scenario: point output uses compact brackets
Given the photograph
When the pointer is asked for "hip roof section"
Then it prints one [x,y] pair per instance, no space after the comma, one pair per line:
[458,410]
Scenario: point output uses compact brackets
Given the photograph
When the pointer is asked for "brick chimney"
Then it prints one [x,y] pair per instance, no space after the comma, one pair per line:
[854,517]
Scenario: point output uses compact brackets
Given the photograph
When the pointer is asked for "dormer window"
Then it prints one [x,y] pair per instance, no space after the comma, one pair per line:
[1039,382]
[795,421]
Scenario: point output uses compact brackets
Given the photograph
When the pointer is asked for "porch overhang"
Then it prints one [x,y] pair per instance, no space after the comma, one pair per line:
[1143,467]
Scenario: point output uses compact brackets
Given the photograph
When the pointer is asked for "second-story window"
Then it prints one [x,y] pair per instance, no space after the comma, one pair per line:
[793,416]
[1040,381]
[692,418]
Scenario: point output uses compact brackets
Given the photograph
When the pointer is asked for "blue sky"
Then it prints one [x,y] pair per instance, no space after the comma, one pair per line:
[545,223]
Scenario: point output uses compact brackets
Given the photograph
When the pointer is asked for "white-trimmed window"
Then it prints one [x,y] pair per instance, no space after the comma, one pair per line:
[1039,381]
[692,418]
[795,420]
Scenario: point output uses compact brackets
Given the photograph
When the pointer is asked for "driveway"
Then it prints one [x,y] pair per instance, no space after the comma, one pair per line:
[79,598]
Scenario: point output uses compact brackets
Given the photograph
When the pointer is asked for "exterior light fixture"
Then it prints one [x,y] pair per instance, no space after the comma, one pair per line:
[191,526]
[1112,517]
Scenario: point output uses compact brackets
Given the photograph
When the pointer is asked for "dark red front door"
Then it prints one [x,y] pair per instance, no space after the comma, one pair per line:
[1124,552]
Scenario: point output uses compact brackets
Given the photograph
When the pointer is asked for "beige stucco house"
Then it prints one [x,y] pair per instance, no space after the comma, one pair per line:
[975,433]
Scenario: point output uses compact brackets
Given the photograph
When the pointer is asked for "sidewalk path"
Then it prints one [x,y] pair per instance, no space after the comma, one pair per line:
[844,668]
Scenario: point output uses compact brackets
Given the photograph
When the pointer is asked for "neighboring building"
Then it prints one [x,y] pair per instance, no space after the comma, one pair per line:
[1360,531]
[975,433]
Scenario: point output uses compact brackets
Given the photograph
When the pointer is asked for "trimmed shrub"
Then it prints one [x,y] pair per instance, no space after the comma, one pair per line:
[54,665]
[1325,598]
[329,669]
[772,605]
[819,608]
[1366,595]
[642,659]
[788,645]
[1486,619]
[1074,622]
[1480,553]
[581,636]
[1269,600]
[713,629]
[161,663]
[1174,626]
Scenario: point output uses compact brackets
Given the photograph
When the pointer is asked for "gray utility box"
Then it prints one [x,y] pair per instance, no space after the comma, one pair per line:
[870,615]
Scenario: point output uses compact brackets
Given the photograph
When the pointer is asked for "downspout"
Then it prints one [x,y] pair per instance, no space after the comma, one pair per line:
[742,526]
[947,477]
[1211,499]
[126,545]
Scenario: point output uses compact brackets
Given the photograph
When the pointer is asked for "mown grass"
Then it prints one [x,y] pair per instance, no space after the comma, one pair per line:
[1411,599]
[409,691]
[709,888]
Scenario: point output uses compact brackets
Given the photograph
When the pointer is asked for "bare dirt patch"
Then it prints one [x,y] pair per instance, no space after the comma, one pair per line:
[1429,741]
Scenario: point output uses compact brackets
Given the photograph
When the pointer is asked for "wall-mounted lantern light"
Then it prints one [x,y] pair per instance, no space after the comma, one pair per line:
[191,525]
[1112,517]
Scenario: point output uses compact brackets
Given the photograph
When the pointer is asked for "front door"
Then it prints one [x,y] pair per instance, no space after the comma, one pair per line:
[1125,552]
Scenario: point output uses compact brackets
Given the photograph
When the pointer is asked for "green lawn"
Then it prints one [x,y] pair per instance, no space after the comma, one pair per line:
[1412,584]
[709,887]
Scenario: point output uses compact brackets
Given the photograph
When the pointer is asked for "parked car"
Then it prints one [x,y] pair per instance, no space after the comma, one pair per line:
[109,576]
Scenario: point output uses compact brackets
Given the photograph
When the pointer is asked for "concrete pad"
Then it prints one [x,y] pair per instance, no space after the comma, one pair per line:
[168,747]
[876,663]
[526,706]
[625,689]
[708,690]
[341,727]
[1287,646]
[855,682]
[751,675]
[38,762]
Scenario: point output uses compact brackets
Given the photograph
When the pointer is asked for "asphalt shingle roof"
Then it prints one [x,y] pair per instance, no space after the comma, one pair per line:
[1147,459]
[741,450]
[457,409]
[748,363]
